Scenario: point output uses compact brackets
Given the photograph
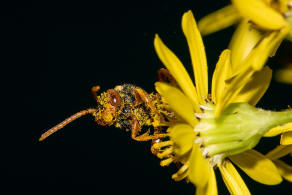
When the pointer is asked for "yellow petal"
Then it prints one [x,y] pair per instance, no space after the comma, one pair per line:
[258,167]
[284,5]
[253,91]
[201,190]
[267,47]
[212,185]
[218,20]
[178,102]
[211,188]
[253,62]
[279,152]
[177,70]
[243,41]
[260,13]
[279,129]
[183,137]
[199,171]
[286,138]
[232,179]
[284,169]
[233,87]
[289,20]
[198,56]
[221,73]
[268,2]
[284,75]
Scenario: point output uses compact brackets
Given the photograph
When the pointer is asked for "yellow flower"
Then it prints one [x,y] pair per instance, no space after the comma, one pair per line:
[230,84]
[258,20]
[265,14]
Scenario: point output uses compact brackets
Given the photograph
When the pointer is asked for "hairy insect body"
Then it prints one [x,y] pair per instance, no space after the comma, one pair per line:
[131,108]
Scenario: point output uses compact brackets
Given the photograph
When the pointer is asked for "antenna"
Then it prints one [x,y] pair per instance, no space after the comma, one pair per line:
[66,121]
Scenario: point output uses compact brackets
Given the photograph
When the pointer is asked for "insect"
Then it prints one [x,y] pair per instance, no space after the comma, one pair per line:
[128,107]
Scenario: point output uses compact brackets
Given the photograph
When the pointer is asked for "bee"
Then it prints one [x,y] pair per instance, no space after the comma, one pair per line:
[128,107]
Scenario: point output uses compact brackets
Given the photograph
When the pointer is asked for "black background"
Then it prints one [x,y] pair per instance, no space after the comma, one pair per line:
[54,52]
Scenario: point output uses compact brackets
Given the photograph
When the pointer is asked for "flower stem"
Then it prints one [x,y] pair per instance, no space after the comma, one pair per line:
[274,119]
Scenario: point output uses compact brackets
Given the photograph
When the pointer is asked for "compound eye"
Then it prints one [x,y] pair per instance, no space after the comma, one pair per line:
[114,97]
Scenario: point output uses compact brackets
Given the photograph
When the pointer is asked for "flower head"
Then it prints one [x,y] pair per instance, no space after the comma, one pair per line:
[208,120]
[258,21]
[265,14]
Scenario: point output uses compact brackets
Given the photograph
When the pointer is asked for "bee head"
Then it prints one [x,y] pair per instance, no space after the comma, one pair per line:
[108,104]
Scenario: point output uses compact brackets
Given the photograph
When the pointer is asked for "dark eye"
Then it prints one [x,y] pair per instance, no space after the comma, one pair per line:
[114,97]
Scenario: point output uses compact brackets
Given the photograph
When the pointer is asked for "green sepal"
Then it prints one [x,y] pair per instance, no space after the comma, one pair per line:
[239,128]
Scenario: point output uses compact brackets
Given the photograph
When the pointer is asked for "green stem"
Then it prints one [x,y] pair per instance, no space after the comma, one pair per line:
[274,119]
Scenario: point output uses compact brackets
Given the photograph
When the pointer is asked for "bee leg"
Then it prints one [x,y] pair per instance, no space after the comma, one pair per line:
[164,76]
[143,96]
[146,136]
[136,128]
[159,136]
[94,90]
